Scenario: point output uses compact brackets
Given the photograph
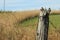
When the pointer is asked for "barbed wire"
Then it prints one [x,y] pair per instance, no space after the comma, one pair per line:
[54,27]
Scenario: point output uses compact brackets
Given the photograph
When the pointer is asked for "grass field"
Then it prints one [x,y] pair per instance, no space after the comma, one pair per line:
[54,28]
[12,29]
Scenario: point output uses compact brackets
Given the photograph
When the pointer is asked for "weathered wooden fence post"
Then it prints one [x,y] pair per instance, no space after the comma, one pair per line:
[46,23]
[43,24]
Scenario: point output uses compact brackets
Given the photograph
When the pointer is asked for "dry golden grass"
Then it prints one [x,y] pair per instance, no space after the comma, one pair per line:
[56,11]
[11,18]
[9,30]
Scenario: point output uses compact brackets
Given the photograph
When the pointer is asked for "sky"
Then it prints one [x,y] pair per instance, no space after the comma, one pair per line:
[29,4]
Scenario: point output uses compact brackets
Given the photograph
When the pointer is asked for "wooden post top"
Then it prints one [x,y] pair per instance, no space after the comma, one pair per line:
[44,11]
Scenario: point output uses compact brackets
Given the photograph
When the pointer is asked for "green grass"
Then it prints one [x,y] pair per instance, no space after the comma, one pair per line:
[29,22]
[55,19]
